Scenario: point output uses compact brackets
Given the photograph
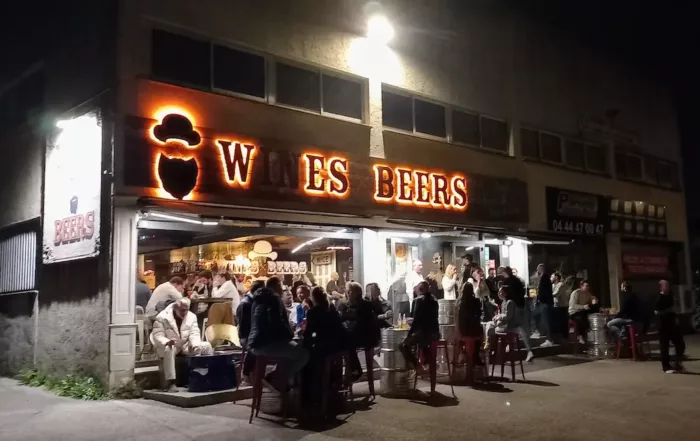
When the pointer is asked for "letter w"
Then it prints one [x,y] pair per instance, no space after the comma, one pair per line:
[237,160]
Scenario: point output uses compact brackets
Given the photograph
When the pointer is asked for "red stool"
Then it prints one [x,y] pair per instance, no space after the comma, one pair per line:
[512,340]
[434,346]
[467,346]
[261,363]
[636,337]
[369,363]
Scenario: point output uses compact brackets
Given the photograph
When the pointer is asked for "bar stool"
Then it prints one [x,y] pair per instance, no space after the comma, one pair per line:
[512,340]
[466,345]
[261,363]
[636,337]
[573,338]
[434,346]
[369,363]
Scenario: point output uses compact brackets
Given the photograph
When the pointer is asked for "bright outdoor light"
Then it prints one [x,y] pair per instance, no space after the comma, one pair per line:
[379,29]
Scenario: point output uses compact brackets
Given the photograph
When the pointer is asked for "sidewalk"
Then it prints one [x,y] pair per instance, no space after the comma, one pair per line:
[601,400]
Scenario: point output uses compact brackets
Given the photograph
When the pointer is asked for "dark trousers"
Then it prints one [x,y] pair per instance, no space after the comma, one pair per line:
[581,320]
[543,319]
[248,360]
[560,322]
[409,345]
[670,333]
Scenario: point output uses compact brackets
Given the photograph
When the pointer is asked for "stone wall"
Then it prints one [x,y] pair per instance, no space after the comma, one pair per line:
[17,326]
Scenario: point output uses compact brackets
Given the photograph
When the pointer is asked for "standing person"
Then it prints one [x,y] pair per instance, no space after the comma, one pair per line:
[382,308]
[413,278]
[303,294]
[630,312]
[669,332]
[468,313]
[483,293]
[560,314]
[361,323]
[468,263]
[291,307]
[582,303]
[333,289]
[424,327]
[271,335]
[143,292]
[449,283]
[169,291]
[544,302]
[175,330]
[202,289]
[225,288]
[492,283]
[243,318]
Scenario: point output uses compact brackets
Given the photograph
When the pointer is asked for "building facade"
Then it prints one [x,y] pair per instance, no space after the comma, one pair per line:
[474,130]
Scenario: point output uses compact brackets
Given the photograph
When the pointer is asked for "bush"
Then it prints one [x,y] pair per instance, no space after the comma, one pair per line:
[127,391]
[73,385]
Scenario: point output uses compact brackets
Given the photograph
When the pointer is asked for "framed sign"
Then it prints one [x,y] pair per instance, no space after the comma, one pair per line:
[72,190]
[577,213]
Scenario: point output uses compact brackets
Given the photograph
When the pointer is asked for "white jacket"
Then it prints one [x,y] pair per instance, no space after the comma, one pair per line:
[165,329]
[227,290]
[449,286]
[163,292]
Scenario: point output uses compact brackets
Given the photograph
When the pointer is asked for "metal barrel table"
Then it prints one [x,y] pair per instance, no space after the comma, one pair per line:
[394,370]
[446,311]
[597,339]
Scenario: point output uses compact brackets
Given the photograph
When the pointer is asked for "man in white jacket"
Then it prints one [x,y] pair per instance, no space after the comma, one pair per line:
[171,290]
[175,330]
[225,288]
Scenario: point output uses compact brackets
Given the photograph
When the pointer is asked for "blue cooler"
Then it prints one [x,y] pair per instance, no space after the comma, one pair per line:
[210,373]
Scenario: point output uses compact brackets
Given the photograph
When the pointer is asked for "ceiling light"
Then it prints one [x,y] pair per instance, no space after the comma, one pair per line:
[379,29]
[401,234]
[425,235]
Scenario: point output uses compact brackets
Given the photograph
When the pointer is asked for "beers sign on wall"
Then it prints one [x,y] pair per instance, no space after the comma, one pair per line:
[72,190]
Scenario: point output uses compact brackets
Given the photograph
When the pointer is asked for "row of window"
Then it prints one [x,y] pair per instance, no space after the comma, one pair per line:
[417,115]
[211,66]
[207,65]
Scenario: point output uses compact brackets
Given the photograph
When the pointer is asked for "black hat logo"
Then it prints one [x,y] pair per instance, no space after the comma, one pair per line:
[177,127]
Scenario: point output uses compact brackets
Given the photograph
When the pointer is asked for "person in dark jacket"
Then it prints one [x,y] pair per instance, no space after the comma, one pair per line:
[424,327]
[271,335]
[381,307]
[630,312]
[544,304]
[669,332]
[143,292]
[243,318]
[469,318]
[362,325]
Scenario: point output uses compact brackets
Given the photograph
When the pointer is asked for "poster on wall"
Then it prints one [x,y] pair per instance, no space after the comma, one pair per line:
[574,212]
[72,189]
[652,262]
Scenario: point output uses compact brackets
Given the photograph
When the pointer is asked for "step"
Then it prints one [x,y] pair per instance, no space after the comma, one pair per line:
[182,398]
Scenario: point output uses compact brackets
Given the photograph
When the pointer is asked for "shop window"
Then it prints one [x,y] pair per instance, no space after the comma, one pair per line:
[298,87]
[596,158]
[575,154]
[397,110]
[530,143]
[180,59]
[494,134]
[239,72]
[667,174]
[550,147]
[430,118]
[465,128]
[342,96]
[18,262]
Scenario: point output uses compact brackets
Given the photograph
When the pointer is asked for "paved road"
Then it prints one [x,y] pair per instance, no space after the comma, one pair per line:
[602,400]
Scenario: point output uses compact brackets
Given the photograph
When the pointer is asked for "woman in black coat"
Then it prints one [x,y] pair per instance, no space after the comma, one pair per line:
[424,327]
[362,325]
[469,318]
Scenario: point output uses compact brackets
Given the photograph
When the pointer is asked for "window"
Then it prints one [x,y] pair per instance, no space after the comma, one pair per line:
[181,59]
[430,118]
[575,154]
[596,160]
[530,143]
[342,96]
[465,128]
[550,147]
[397,110]
[651,174]
[239,72]
[628,165]
[298,87]
[668,174]
[18,262]
[494,134]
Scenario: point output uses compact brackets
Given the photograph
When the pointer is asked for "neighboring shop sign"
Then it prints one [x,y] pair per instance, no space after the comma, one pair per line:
[574,212]
[72,190]
[637,219]
[645,263]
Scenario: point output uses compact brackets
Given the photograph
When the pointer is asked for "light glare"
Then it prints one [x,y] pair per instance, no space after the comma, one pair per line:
[379,29]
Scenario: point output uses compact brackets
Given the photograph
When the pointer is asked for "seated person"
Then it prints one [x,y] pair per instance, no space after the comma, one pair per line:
[303,292]
[630,312]
[361,323]
[291,306]
[382,308]
[581,303]
[167,292]
[175,331]
[271,335]
[424,326]
[469,318]
[243,318]
[511,318]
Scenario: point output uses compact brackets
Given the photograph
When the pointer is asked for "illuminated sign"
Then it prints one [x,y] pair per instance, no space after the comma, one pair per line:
[237,160]
[325,176]
[411,187]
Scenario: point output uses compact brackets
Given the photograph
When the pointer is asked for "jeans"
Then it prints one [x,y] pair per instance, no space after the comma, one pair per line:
[669,333]
[617,324]
[293,354]
[543,313]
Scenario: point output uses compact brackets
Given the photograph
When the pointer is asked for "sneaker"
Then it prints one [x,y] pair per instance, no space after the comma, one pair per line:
[670,371]
[535,335]
[581,340]
[529,356]
[547,344]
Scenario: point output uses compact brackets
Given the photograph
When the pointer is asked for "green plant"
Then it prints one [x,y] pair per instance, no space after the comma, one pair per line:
[127,391]
[72,385]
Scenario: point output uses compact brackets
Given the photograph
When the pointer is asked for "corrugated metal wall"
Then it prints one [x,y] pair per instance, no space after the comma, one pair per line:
[18,262]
